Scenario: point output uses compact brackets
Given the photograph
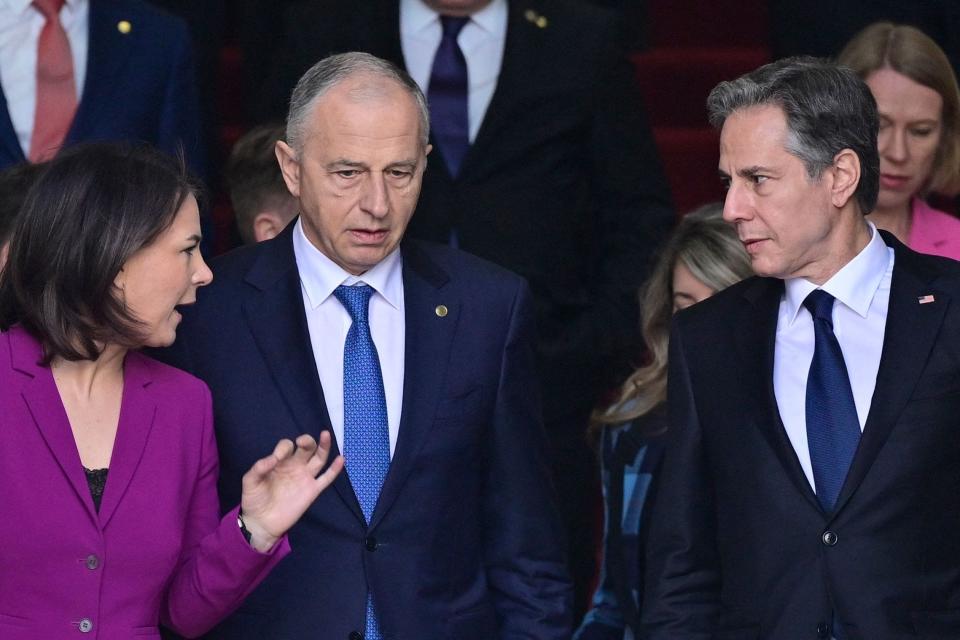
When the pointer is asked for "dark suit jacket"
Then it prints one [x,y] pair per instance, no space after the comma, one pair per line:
[738,547]
[562,185]
[464,542]
[139,86]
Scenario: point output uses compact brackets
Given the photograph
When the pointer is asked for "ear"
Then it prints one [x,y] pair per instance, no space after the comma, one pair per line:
[289,166]
[266,225]
[846,177]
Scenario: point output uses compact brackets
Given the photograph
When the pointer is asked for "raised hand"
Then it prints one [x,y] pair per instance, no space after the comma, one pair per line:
[279,488]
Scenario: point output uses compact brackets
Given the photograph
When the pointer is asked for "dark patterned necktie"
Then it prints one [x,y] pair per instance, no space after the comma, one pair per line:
[833,429]
[447,96]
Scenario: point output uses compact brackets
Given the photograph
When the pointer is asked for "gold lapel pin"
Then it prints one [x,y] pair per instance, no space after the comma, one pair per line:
[441,310]
[124,27]
[535,18]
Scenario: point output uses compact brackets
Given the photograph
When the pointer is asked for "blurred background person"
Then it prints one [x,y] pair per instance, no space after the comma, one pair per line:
[15,182]
[262,205]
[702,256]
[919,142]
[109,462]
[75,70]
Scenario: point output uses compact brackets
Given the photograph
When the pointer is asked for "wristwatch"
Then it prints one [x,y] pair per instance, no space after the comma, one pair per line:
[243,527]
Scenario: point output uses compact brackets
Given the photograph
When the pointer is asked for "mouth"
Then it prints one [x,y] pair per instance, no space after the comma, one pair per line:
[752,245]
[893,181]
[368,236]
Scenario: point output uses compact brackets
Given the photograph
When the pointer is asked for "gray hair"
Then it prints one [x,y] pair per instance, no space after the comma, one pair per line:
[827,107]
[333,70]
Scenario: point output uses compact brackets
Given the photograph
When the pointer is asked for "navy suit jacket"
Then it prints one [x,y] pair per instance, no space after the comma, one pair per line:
[738,546]
[464,542]
[139,85]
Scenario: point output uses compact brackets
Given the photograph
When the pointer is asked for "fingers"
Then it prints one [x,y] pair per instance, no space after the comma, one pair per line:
[327,477]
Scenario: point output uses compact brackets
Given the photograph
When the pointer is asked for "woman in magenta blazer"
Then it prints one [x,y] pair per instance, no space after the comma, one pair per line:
[919,142]
[109,463]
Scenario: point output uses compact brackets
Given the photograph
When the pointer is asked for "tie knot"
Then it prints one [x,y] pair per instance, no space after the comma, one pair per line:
[452,25]
[820,305]
[355,300]
[49,8]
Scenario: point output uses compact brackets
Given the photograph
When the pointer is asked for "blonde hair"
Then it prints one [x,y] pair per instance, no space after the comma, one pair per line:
[909,51]
[710,249]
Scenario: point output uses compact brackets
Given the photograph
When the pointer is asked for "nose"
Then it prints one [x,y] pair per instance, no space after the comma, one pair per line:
[202,275]
[736,204]
[374,199]
[892,144]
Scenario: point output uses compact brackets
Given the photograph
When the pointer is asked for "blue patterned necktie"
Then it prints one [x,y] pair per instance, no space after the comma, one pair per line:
[447,96]
[833,429]
[366,440]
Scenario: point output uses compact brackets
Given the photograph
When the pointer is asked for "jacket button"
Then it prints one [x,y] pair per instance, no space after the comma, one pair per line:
[355,635]
[92,562]
[85,625]
[829,538]
[823,631]
[370,543]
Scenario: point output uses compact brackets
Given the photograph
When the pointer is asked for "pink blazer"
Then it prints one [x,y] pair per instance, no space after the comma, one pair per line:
[156,552]
[934,232]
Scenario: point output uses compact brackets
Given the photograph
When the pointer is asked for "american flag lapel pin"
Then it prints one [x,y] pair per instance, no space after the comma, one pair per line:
[925,299]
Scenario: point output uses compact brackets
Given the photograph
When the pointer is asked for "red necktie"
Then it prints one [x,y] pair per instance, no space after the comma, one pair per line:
[56,88]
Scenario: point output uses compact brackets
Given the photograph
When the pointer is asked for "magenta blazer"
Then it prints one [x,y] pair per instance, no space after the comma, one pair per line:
[157,552]
[933,231]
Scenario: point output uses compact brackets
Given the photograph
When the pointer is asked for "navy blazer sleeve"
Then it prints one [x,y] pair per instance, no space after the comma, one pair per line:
[530,585]
[681,600]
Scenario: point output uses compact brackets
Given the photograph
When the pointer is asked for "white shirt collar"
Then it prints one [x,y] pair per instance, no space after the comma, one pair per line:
[20,6]
[416,17]
[854,284]
[320,275]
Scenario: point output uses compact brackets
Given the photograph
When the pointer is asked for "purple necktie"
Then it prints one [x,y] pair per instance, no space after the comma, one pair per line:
[447,96]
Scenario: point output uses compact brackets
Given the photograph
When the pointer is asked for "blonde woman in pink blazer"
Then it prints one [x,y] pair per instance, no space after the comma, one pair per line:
[919,141]
[109,462]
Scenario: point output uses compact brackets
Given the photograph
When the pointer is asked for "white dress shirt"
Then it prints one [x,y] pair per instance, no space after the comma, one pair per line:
[20,26]
[862,292]
[328,323]
[481,40]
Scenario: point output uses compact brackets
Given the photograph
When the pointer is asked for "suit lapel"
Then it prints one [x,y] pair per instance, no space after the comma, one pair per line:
[137,413]
[108,50]
[278,323]
[523,46]
[911,331]
[756,344]
[45,406]
[429,337]
[8,136]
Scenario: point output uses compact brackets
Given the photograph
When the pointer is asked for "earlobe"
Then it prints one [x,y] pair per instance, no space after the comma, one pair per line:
[846,177]
[289,167]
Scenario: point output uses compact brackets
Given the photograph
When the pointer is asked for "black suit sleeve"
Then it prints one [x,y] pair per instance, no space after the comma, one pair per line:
[681,600]
[631,215]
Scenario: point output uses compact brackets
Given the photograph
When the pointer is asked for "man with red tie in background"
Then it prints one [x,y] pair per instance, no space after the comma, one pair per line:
[75,70]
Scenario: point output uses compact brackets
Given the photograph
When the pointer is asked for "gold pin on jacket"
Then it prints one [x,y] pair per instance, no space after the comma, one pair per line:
[535,18]
[441,310]
[124,27]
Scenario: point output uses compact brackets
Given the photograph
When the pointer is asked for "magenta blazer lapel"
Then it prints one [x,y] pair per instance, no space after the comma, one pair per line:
[43,401]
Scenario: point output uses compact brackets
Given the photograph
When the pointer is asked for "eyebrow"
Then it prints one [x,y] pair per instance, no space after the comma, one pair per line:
[194,238]
[343,162]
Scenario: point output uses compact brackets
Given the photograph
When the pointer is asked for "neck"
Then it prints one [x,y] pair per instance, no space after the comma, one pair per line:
[896,220]
[81,377]
[850,242]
